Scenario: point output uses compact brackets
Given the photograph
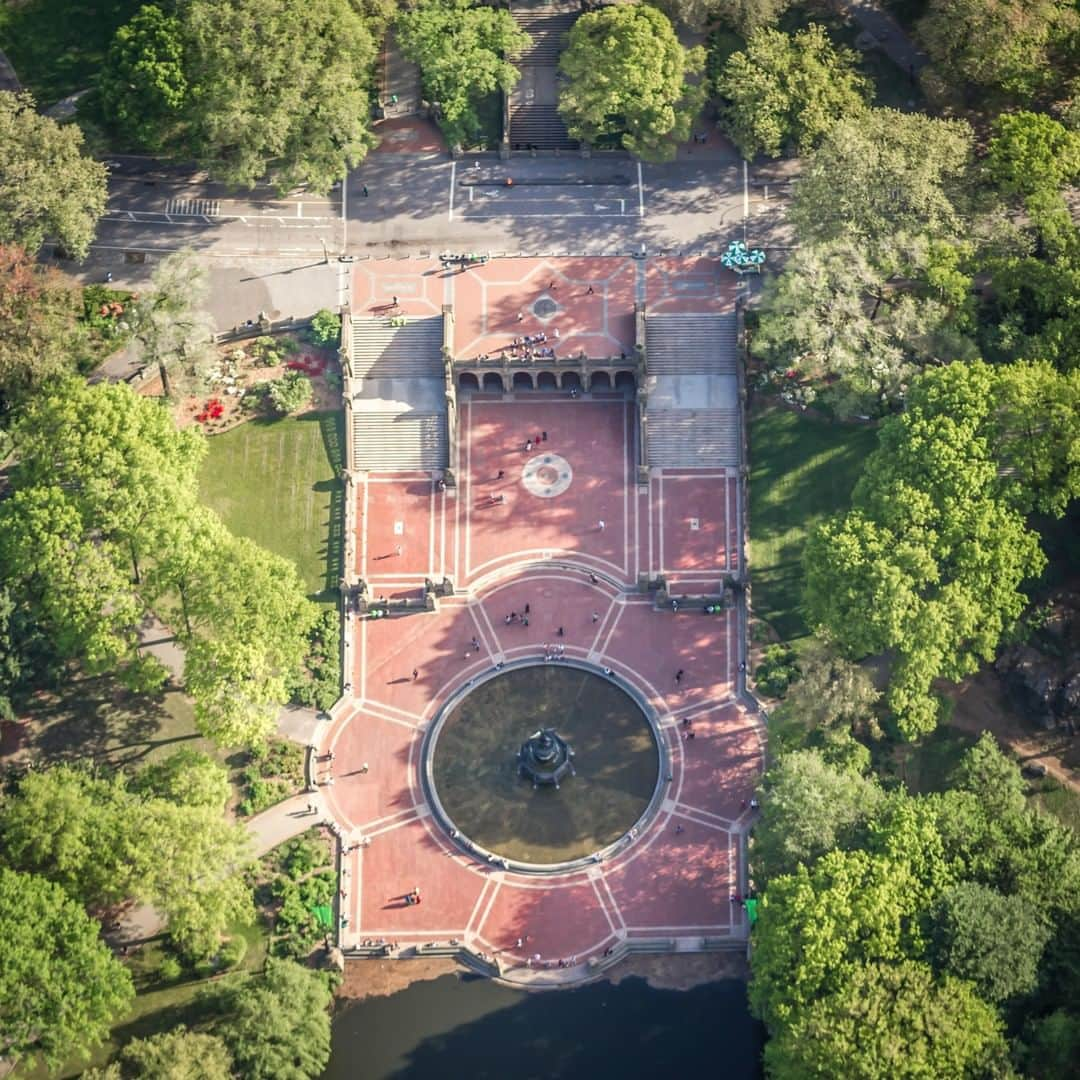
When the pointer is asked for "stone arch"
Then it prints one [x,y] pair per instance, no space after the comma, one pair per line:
[545,380]
[600,380]
[522,380]
[571,380]
[625,380]
[468,381]
[493,381]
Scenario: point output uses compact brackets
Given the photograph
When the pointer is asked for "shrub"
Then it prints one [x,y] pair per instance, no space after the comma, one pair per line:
[778,669]
[318,684]
[170,969]
[289,393]
[232,952]
[325,327]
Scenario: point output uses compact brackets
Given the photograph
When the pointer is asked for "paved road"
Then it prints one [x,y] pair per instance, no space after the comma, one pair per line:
[423,202]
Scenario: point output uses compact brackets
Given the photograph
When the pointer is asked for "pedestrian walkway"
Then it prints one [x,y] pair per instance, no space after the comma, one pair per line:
[892,38]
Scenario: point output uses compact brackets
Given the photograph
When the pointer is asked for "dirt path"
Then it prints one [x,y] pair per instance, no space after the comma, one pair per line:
[980,706]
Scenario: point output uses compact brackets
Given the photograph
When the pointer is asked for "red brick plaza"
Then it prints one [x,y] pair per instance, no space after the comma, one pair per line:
[671,885]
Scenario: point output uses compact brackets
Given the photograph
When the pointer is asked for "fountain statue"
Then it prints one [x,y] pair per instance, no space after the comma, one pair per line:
[545,758]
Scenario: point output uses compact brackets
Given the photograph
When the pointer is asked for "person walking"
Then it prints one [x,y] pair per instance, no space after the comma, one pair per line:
[601,525]
[415,674]
[678,675]
[596,616]
[364,191]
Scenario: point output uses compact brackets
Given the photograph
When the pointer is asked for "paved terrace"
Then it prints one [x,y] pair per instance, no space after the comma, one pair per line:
[672,884]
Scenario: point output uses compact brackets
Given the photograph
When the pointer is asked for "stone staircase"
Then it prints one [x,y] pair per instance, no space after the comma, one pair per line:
[547,24]
[387,441]
[398,394]
[692,415]
[382,351]
[683,438]
[691,344]
[534,116]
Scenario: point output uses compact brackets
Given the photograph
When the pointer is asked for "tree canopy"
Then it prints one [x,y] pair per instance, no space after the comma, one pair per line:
[48,187]
[883,173]
[172,1055]
[187,778]
[38,329]
[835,315]
[96,536]
[102,843]
[788,90]
[170,322]
[891,1021]
[277,1027]
[1005,45]
[60,986]
[278,87]
[463,50]
[1032,151]
[744,16]
[808,809]
[144,86]
[931,559]
[627,76]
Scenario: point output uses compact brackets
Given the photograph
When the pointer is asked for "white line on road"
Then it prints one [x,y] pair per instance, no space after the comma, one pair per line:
[640,193]
[344,217]
[745,196]
[453,180]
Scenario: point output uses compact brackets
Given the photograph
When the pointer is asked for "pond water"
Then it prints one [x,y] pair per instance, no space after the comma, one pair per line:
[470,1027]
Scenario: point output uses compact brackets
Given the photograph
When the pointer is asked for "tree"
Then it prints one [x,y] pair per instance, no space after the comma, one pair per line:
[463,50]
[985,771]
[883,173]
[277,1027]
[325,327]
[833,314]
[626,76]
[173,1055]
[969,941]
[278,86]
[170,322]
[743,16]
[1052,1046]
[1004,45]
[102,843]
[930,560]
[246,622]
[1031,152]
[144,87]
[39,309]
[891,1021]
[1038,435]
[788,90]
[830,704]
[48,188]
[816,926]
[809,808]
[187,778]
[60,987]
[74,533]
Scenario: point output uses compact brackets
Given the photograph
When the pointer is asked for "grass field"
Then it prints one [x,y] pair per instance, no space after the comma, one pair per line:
[801,471]
[58,46]
[276,482]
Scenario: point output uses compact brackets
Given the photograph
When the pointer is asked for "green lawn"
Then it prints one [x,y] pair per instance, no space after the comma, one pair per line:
[801,471]
[276,481]
[58,46]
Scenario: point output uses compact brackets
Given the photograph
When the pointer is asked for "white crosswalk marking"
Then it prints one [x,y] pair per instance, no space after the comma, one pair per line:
[193,207]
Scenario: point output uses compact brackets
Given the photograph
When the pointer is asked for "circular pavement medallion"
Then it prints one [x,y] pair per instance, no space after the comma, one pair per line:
[547,475]
[544,308]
